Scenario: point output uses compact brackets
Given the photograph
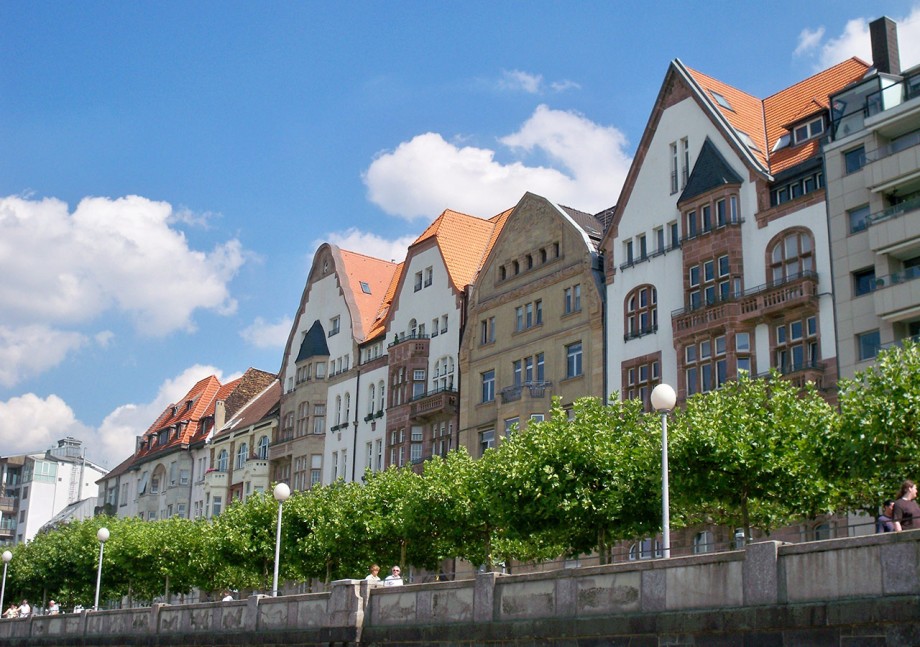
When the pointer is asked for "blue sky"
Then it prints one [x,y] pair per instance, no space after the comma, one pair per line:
[167,169]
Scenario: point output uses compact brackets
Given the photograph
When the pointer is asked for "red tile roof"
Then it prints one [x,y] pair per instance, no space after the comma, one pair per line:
[374,272]
[765,121]
[462,240]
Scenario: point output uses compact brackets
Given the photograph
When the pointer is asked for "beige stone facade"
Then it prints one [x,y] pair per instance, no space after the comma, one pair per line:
[534,326]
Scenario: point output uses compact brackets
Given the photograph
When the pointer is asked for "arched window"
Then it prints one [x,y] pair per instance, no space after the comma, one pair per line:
[263,448]
[241,453]
[791,256]
[641,317]
[222,460]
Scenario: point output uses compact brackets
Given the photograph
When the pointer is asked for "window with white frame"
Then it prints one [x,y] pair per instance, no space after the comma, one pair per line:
[706,365]
[791,257]
[528,315]
[242,452]
[573,360]
[796,344]
[641,312]
[488,386]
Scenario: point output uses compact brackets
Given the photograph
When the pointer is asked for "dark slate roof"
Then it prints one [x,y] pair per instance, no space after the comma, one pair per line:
[710,171]
[314,343]
[593,226]
[606,216]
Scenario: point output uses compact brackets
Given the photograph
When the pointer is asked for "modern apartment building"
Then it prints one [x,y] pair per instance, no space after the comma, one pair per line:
[718,258]
[873,195]
[534,322]
[36,488]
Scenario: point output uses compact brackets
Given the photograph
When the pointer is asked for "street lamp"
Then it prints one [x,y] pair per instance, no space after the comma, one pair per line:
[281,494]
[7,556]
[663,401]
[103,536]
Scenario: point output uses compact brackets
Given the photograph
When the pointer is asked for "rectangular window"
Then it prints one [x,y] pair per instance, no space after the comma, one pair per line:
[854,159]
[486,440]
[519,318]
[418,281]
[216,503]
[659,239]
[685,159]
[721,214]
[334,326]
[487,330]
[691,224]
[723,266]
[859,218]
[628,251]
[643,247]
[675,235]
[488,386]
[706,216]
[573,360]
[428,276]
[674,166]
[539,367]
[868,344]
[517,371]
[733,209]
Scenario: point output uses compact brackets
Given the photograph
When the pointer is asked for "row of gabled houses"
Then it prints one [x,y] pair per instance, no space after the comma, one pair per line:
[751,234]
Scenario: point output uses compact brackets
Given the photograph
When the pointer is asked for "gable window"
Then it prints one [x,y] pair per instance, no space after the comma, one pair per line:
[429,274]
[674,166]
[808,130]
[418,281]
[334,326]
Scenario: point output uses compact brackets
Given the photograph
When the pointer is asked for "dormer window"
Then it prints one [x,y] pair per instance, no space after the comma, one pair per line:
[722,101]
[808,130]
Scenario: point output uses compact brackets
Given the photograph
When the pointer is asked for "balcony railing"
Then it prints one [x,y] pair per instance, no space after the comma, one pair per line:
[908,274]
[408,337]
[536,389]
[434,402]
[7,504]
[642,332]
[894,211]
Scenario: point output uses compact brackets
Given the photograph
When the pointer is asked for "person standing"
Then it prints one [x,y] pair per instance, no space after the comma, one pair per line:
[394,578]
[24,609]
[906,512]
[374,576]
[885,523]
[53,608]
[12,612]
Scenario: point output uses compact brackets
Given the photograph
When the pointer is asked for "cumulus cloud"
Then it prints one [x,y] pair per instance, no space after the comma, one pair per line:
[808,40]
[427,174]
[114,440]
[355,240]
[263,334]
[27,351]
[47,420]
[61,269]
[855,41]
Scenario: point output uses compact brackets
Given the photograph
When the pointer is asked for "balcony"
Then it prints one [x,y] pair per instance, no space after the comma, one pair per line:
[434,403]
[888,230]
[688,321]
[215,479]
[7,505]
[857,107]
[897,295]
[536,389]
[7,528]
[772,298]
[255,468]
[801,373]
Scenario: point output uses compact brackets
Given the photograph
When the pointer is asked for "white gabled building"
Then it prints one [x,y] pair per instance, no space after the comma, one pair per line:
[322,406]
[718,256]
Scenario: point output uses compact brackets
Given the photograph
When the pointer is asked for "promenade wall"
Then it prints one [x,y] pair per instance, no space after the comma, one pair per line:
[842,592]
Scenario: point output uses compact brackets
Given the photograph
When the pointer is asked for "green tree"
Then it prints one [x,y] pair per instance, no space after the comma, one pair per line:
[579,484]
[877,444]
[747,454]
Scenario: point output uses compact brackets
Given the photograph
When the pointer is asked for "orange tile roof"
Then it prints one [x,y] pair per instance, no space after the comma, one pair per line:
[377,274]
[379,325]
[765,121]
[462,240]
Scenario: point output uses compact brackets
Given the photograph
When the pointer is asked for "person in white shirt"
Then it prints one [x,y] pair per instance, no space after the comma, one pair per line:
[394,578]
[24,609]
[373,577]
[53,608]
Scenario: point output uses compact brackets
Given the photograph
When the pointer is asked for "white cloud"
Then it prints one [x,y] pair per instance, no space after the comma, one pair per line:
[114,440]
[518,80]
[355,240]
[263,334]
[855,41]
[27,351]
[808,40]
[427,174]
[47,420]
[63,268]
[562,86]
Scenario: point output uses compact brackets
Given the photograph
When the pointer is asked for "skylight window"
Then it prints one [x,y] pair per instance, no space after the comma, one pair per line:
[722,101]
[809,130]
[746,139]
[365,288]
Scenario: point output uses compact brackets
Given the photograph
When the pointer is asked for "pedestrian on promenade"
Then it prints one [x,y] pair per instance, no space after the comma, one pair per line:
[24,609]
[374,576]
[12,612]
[906,512]
[394,578]
[885,523]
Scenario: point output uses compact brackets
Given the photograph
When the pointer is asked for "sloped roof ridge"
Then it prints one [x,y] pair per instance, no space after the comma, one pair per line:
[816,75]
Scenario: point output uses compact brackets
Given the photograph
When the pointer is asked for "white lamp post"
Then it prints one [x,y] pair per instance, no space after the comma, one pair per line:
[7,556]
[103,536]
[663,401]
[281,494]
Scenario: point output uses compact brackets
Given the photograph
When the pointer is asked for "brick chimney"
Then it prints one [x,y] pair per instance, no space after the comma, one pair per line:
[884,35]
